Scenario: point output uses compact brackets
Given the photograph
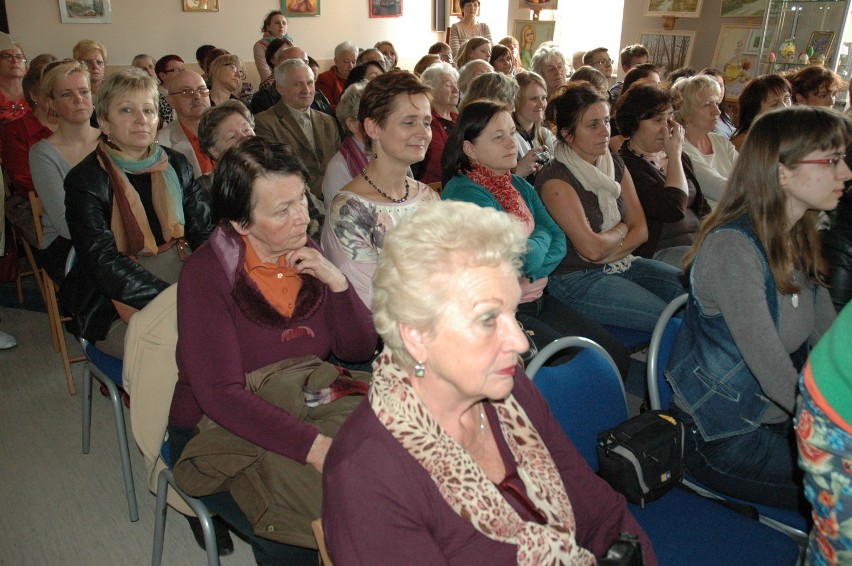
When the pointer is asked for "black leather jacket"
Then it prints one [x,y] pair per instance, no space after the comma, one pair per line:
[102,272]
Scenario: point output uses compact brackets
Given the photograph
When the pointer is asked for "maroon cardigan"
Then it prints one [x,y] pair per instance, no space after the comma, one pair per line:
[226,329]
[380,506]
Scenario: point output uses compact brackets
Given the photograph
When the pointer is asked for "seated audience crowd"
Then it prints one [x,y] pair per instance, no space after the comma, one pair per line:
[321,211]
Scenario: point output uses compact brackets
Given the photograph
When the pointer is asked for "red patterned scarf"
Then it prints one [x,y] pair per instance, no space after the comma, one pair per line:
[500,187]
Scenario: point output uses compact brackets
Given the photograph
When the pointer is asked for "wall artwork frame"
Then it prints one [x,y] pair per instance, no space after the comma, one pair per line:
[300,8]
[530,34]
[385,8]
[538,4]
[200,5]
[455,8]
[822,42]
[85,11]
[754,38]
[668,50]
[743,8]
[732,57]
[675,8]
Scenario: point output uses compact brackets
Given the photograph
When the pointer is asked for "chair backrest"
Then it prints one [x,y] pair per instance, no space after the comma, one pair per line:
[662,342]
[38,212]
[150,374]
[585,394]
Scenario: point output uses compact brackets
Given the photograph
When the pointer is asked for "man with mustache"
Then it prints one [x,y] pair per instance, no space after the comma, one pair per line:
[189,97]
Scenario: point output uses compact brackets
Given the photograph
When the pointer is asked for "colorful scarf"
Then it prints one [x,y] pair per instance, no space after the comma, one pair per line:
[500,187]
[354,155]
[598,179]
[133,235]
[463,484]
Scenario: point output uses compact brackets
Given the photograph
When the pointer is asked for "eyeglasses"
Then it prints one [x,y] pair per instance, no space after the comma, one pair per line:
[237,71]
[603,62]
[190,92]
[833,161]
[176,70]
[10,57]
[93,62]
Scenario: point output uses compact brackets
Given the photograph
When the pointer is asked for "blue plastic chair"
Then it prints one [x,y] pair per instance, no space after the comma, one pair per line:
[586,396]
[789,522]
[107,370]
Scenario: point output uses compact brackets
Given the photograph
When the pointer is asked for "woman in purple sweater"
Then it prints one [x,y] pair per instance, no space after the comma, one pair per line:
[454,457]
[260,291]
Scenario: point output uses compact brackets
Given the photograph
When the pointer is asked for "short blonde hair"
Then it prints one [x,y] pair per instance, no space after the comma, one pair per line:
[220,62]
[690,89]
[415,271]
[121,83]
[492,86]
[84,46]
[58,72]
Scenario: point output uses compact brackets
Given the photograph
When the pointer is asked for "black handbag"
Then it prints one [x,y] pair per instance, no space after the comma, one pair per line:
[642,458]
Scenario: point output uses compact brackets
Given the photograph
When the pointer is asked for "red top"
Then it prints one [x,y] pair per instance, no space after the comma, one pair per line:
[17,138]
[332,85]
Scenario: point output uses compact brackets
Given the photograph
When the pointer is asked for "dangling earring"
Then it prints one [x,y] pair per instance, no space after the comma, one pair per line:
[419,369]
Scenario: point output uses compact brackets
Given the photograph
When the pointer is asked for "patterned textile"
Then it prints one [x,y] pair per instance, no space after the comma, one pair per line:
[501,187]
[825,455]
[464,485]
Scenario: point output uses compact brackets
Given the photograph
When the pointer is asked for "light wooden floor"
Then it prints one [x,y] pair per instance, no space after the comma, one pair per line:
[58,505]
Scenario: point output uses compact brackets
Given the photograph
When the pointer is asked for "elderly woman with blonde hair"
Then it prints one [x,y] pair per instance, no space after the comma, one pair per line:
[94,56]
[713,155]
[134,209]
[455,450]
[226,78]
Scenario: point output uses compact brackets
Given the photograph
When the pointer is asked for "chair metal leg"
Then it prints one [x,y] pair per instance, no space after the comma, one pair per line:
[87,406]
[165,481]
[123,448]
[160,518]
[89,372]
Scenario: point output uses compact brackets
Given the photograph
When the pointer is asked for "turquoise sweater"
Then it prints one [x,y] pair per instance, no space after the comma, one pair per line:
[546,245]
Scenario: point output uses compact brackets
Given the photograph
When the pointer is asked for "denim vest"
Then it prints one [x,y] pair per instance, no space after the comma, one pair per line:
[707,371]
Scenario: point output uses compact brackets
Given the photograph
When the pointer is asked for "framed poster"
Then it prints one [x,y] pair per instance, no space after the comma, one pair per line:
[530,34]
[753,45]
[538,4]
[455,9]
[731,58]
[85,11]
[676,8]
[743,8]
[300,8]
[385,8]
[668,50]
[821,41]
[200,5]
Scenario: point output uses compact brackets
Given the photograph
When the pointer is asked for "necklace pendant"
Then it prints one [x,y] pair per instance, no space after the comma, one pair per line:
[795,300]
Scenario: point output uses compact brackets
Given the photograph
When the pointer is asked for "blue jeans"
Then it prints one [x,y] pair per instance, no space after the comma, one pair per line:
[632,299]
[759,466]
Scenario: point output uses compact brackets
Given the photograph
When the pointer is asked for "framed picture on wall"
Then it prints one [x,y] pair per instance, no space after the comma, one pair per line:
[300,8]
[455,8]
[530,34]
[753,45]
[200,5]
[385,8]
[743,8]
[676,8]
[821,41]
[85,12]
[732,59]
[668,50]
[538,4]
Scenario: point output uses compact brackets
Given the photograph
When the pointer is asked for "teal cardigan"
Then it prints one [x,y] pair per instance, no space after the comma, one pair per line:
[547,244]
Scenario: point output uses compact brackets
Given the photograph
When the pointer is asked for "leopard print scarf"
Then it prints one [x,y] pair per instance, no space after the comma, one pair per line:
[463,484]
